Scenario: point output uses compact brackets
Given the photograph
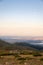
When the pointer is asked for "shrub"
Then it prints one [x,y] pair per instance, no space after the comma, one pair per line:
[37,54]
[20,58]
[41,59]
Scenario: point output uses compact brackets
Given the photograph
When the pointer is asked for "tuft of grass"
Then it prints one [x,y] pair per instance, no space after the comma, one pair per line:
[20,58]
[28,58]
[36,54]
[25,53]
[41,59]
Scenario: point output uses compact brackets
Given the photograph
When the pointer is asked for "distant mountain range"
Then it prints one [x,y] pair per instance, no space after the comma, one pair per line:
[23,37]
[17,42]
[20,45]
[20,40]
[12,39]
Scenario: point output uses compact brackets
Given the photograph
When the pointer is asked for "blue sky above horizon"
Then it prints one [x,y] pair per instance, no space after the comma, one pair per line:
[21,17]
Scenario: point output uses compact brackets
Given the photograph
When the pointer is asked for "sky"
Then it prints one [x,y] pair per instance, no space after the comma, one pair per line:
[21,17]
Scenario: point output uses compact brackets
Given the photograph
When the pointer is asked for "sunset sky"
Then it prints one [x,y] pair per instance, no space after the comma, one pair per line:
[21,17]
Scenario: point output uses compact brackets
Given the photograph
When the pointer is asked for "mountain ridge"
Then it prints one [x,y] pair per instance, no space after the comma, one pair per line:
[23,37]
[19,45]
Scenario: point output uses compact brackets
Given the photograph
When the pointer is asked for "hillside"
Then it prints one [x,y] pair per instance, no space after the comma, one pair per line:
[19,45]
[3,44]
[29,46]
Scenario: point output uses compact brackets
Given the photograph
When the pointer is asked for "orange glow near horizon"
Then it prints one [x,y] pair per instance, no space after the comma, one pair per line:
[21,31]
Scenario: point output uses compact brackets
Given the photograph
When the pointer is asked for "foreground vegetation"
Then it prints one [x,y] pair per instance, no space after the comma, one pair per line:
[21,57]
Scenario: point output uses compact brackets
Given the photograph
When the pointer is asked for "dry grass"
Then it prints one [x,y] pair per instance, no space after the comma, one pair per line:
[21,59]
